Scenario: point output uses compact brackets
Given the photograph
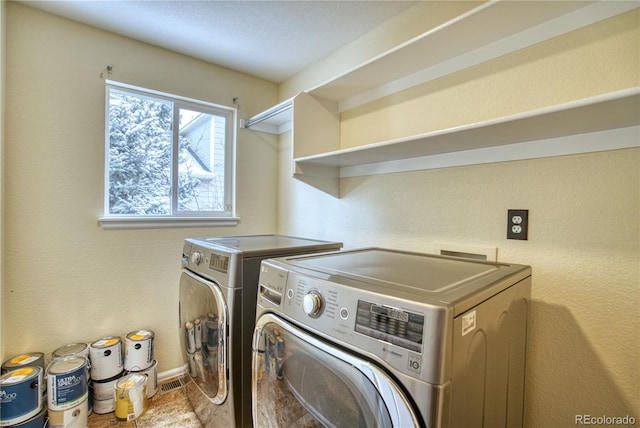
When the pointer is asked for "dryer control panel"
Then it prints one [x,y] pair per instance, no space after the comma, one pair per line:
[214,265]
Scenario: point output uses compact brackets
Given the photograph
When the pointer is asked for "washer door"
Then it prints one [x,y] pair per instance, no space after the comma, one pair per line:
[299,380]
[203,338]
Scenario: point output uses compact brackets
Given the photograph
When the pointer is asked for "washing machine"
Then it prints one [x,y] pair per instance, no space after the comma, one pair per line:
[385,338]
[217,302]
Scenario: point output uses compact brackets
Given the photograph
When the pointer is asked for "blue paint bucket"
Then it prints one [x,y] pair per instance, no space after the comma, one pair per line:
[37,421]
[20,397]
[67,382]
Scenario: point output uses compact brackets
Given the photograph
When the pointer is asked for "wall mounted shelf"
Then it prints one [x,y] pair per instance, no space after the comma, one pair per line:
[506,27]
[570,128]
[489,31]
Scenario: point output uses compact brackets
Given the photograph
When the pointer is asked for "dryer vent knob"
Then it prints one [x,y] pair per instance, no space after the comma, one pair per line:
[196,258]
[312,303]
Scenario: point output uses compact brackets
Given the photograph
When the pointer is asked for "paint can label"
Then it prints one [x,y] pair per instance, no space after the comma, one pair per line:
[138,351]
[131,397]
[70,387]
[20,396]
[77,416]
[103,390]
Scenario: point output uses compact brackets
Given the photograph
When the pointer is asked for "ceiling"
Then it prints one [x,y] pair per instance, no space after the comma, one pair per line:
[273,40]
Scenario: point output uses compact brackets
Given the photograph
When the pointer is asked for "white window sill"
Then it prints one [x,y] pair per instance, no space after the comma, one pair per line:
[165,222]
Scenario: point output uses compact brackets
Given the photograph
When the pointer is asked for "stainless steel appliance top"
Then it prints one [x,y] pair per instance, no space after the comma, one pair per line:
[271,245]
[413,276]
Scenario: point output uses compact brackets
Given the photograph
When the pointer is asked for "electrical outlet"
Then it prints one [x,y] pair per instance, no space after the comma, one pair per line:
[517,224]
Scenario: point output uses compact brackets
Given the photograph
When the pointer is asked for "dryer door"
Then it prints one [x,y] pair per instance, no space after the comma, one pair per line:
[203,324]
[299,380]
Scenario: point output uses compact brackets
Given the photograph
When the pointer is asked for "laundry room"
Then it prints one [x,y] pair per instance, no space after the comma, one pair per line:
[543,119]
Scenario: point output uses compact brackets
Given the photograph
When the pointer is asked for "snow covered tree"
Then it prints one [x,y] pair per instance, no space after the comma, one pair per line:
[140,156]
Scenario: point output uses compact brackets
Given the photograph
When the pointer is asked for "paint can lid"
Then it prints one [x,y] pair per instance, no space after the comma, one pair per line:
[132,381]
[70,349]
[20,375]
[22,360]
[105,342]
[66,364]
[140,335]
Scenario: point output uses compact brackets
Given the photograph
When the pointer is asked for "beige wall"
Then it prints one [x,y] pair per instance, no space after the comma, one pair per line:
[583,247]
[584,237]
[65,278]
[2,109]
[595,60]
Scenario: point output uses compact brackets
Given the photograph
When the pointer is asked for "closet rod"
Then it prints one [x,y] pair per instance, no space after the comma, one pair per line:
[280,108]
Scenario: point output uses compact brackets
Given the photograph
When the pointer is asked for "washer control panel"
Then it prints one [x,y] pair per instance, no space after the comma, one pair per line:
[308,298]
[388,328]
[402,334]
[396,326]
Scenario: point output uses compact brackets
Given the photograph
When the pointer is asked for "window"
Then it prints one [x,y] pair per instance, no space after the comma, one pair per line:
[168,160]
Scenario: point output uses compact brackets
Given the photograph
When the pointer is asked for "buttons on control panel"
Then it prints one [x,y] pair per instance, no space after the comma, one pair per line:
[393,325]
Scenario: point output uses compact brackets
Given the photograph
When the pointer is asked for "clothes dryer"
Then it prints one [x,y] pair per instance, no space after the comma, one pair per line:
[385,338]
[217,302]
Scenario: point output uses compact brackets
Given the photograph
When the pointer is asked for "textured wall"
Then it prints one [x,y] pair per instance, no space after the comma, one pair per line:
[2,108]
[584,246]
[65,278]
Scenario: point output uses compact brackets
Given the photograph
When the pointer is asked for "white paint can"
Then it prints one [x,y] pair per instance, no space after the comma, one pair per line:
[104,396]
[71,349]
[131,396]
[68,383]
[138,350]
[152,379]
[103,390]
[102,407]
[74,417]
[20,396]
[106,358]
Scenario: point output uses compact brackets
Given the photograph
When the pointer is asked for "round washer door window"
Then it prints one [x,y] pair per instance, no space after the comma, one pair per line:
[296,383]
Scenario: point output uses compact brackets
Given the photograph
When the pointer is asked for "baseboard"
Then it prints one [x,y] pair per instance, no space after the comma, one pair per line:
[177,372]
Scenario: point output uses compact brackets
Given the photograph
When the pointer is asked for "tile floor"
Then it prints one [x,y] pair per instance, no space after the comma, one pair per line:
[164,410]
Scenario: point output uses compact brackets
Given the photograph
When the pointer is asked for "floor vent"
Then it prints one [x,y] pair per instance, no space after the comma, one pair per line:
[171,384]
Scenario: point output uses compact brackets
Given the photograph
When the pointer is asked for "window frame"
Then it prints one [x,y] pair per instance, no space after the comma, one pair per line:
[177,218]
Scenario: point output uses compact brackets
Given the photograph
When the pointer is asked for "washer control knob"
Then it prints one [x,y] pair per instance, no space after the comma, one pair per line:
[312,303]
[196,258]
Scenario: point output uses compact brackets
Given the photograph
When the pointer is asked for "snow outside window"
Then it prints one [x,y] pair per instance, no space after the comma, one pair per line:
[169,160]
